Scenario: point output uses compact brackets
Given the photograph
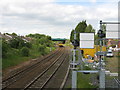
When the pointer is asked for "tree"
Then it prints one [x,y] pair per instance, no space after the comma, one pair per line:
[18,42]
[88,28]
[5,48]
[14,43]
[72,35]
[93,30]
[48,37]
[14,34]
[81,26]
[25,51]
[104,28]
[41,49]
[28,44]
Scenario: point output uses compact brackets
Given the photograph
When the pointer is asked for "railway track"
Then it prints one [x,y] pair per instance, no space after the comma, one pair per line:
[117,81]
[15,79]
[30,66]
[44,78]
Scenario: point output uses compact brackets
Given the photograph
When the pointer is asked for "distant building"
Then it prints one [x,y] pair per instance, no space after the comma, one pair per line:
[118,44]
[112,42]
[8,37]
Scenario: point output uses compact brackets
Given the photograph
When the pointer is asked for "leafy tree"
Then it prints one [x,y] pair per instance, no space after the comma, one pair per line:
[93,30]
[14,34]
[72,35]
[104,28]
[25,51]
[28,44]
[88,28]
[41,39]
[96,40]
[81,26]
[41,49]
[5,48]
[48,37]
[7,34]
[16,43]
[37,36]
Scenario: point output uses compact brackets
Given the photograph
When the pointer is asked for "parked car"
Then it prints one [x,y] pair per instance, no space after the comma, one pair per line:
[109,54]
[109,50]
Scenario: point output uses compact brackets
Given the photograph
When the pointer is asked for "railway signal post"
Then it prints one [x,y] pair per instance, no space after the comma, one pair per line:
[101,69]
[89,43]
[74,73]
[111,33]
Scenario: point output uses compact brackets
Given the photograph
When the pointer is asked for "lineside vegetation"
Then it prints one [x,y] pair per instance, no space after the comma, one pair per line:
[19,48]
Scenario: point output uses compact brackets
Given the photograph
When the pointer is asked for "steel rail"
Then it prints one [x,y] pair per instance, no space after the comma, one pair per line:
[117,81]
[39,76]
[26,69]
[46,82]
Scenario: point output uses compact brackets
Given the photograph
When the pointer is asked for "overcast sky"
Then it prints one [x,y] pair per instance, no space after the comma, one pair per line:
[54,17]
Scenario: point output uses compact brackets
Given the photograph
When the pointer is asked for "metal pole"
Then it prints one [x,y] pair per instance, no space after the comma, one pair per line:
[80,59]
[74,80]
[74,73]
[101,71]
[110,22]
[74,57]
[102,79]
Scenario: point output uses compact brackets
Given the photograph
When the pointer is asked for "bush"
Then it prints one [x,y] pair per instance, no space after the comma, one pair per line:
[25,51]
[5,48]
[27,44]
[42,50]
[17,43]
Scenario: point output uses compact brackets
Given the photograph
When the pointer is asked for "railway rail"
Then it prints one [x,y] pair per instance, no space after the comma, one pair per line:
[15,79]
[30,66]
[44,78]
[117,81]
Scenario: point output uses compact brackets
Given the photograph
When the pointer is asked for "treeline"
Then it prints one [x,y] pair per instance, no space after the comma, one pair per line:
[81,28]
[38,41]
[31,46]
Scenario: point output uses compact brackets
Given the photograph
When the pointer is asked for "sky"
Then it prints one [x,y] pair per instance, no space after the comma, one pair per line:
[55,18]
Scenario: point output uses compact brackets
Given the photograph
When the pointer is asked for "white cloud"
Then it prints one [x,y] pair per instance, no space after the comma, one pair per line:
[57,20]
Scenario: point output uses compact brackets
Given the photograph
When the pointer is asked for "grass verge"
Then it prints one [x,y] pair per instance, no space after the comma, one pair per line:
[14,58]
[112,63]
[83,81]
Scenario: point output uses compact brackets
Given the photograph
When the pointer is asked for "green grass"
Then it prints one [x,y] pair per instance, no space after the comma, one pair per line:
[83,81]
[13,60]
[14,57]
[112,63]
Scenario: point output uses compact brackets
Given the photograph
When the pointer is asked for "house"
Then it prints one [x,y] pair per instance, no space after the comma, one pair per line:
[8,37]
[119,44]
[112,43]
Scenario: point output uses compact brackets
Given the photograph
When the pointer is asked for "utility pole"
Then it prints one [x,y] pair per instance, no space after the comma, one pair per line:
[74,73]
